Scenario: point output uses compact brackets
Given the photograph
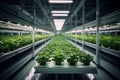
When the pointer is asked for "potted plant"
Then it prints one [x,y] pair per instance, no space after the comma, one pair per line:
[81,54]
[58,58]
[86,59]
[72,59]
[42,59]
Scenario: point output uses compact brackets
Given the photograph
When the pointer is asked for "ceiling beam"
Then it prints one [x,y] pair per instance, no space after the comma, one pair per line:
[46,14]
[76,10]
[74,13]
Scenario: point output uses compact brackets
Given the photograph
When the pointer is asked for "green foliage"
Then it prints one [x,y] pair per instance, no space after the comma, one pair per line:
[43,58]
[86,58]
[58,57]
[60,49]
[10,43]
[72,59]
[112,42]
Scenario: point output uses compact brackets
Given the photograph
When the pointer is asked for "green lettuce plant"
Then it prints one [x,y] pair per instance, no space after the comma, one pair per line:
[86,59]
[72,59]
[43,58]
[58,57]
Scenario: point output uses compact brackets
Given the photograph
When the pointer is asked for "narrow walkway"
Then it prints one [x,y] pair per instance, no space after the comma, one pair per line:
[63,77]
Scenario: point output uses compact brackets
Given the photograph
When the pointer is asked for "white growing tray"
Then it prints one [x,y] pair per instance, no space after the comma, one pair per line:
[66,69]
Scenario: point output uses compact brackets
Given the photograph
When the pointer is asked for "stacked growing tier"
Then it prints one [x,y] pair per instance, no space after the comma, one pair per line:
[10,43]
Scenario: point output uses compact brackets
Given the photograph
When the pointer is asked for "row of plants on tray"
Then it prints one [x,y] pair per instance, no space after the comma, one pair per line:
[59,50]
[10,43]
[112,42]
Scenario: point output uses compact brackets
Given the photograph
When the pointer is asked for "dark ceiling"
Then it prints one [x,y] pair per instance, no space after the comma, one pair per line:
[21,11]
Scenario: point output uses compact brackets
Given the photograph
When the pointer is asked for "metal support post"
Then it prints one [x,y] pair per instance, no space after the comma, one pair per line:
[33,31]
[76,28]
[97,31]
[71,25]
[83,24]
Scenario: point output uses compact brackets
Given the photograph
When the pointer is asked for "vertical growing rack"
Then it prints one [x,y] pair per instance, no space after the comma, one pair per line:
[27,27]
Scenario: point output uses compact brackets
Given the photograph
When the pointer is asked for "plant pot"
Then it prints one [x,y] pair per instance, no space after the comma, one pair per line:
[58,63]
[43,63]
[72,63]
[58,58]
[86,63]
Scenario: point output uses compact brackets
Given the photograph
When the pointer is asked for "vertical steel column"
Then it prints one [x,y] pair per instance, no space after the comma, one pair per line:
[71,25]
[33,31]
[83,23]
[76,26]
[97,31]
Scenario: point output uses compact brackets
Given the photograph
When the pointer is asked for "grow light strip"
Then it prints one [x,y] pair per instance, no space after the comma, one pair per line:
[60,12]
[60,1]
[59,20]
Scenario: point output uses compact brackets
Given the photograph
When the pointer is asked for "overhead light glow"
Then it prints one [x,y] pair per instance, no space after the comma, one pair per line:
[59,14]
[59,23]
[59,20]
[60,1]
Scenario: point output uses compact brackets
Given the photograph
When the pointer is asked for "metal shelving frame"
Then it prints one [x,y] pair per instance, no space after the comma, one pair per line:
[105,61]
[16,66]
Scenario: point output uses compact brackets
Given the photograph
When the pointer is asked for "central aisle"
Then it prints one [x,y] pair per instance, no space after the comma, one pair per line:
[63,77]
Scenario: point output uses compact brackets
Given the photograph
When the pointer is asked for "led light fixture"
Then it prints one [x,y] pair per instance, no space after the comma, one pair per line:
[60,1]
[60,12]
[59,20]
